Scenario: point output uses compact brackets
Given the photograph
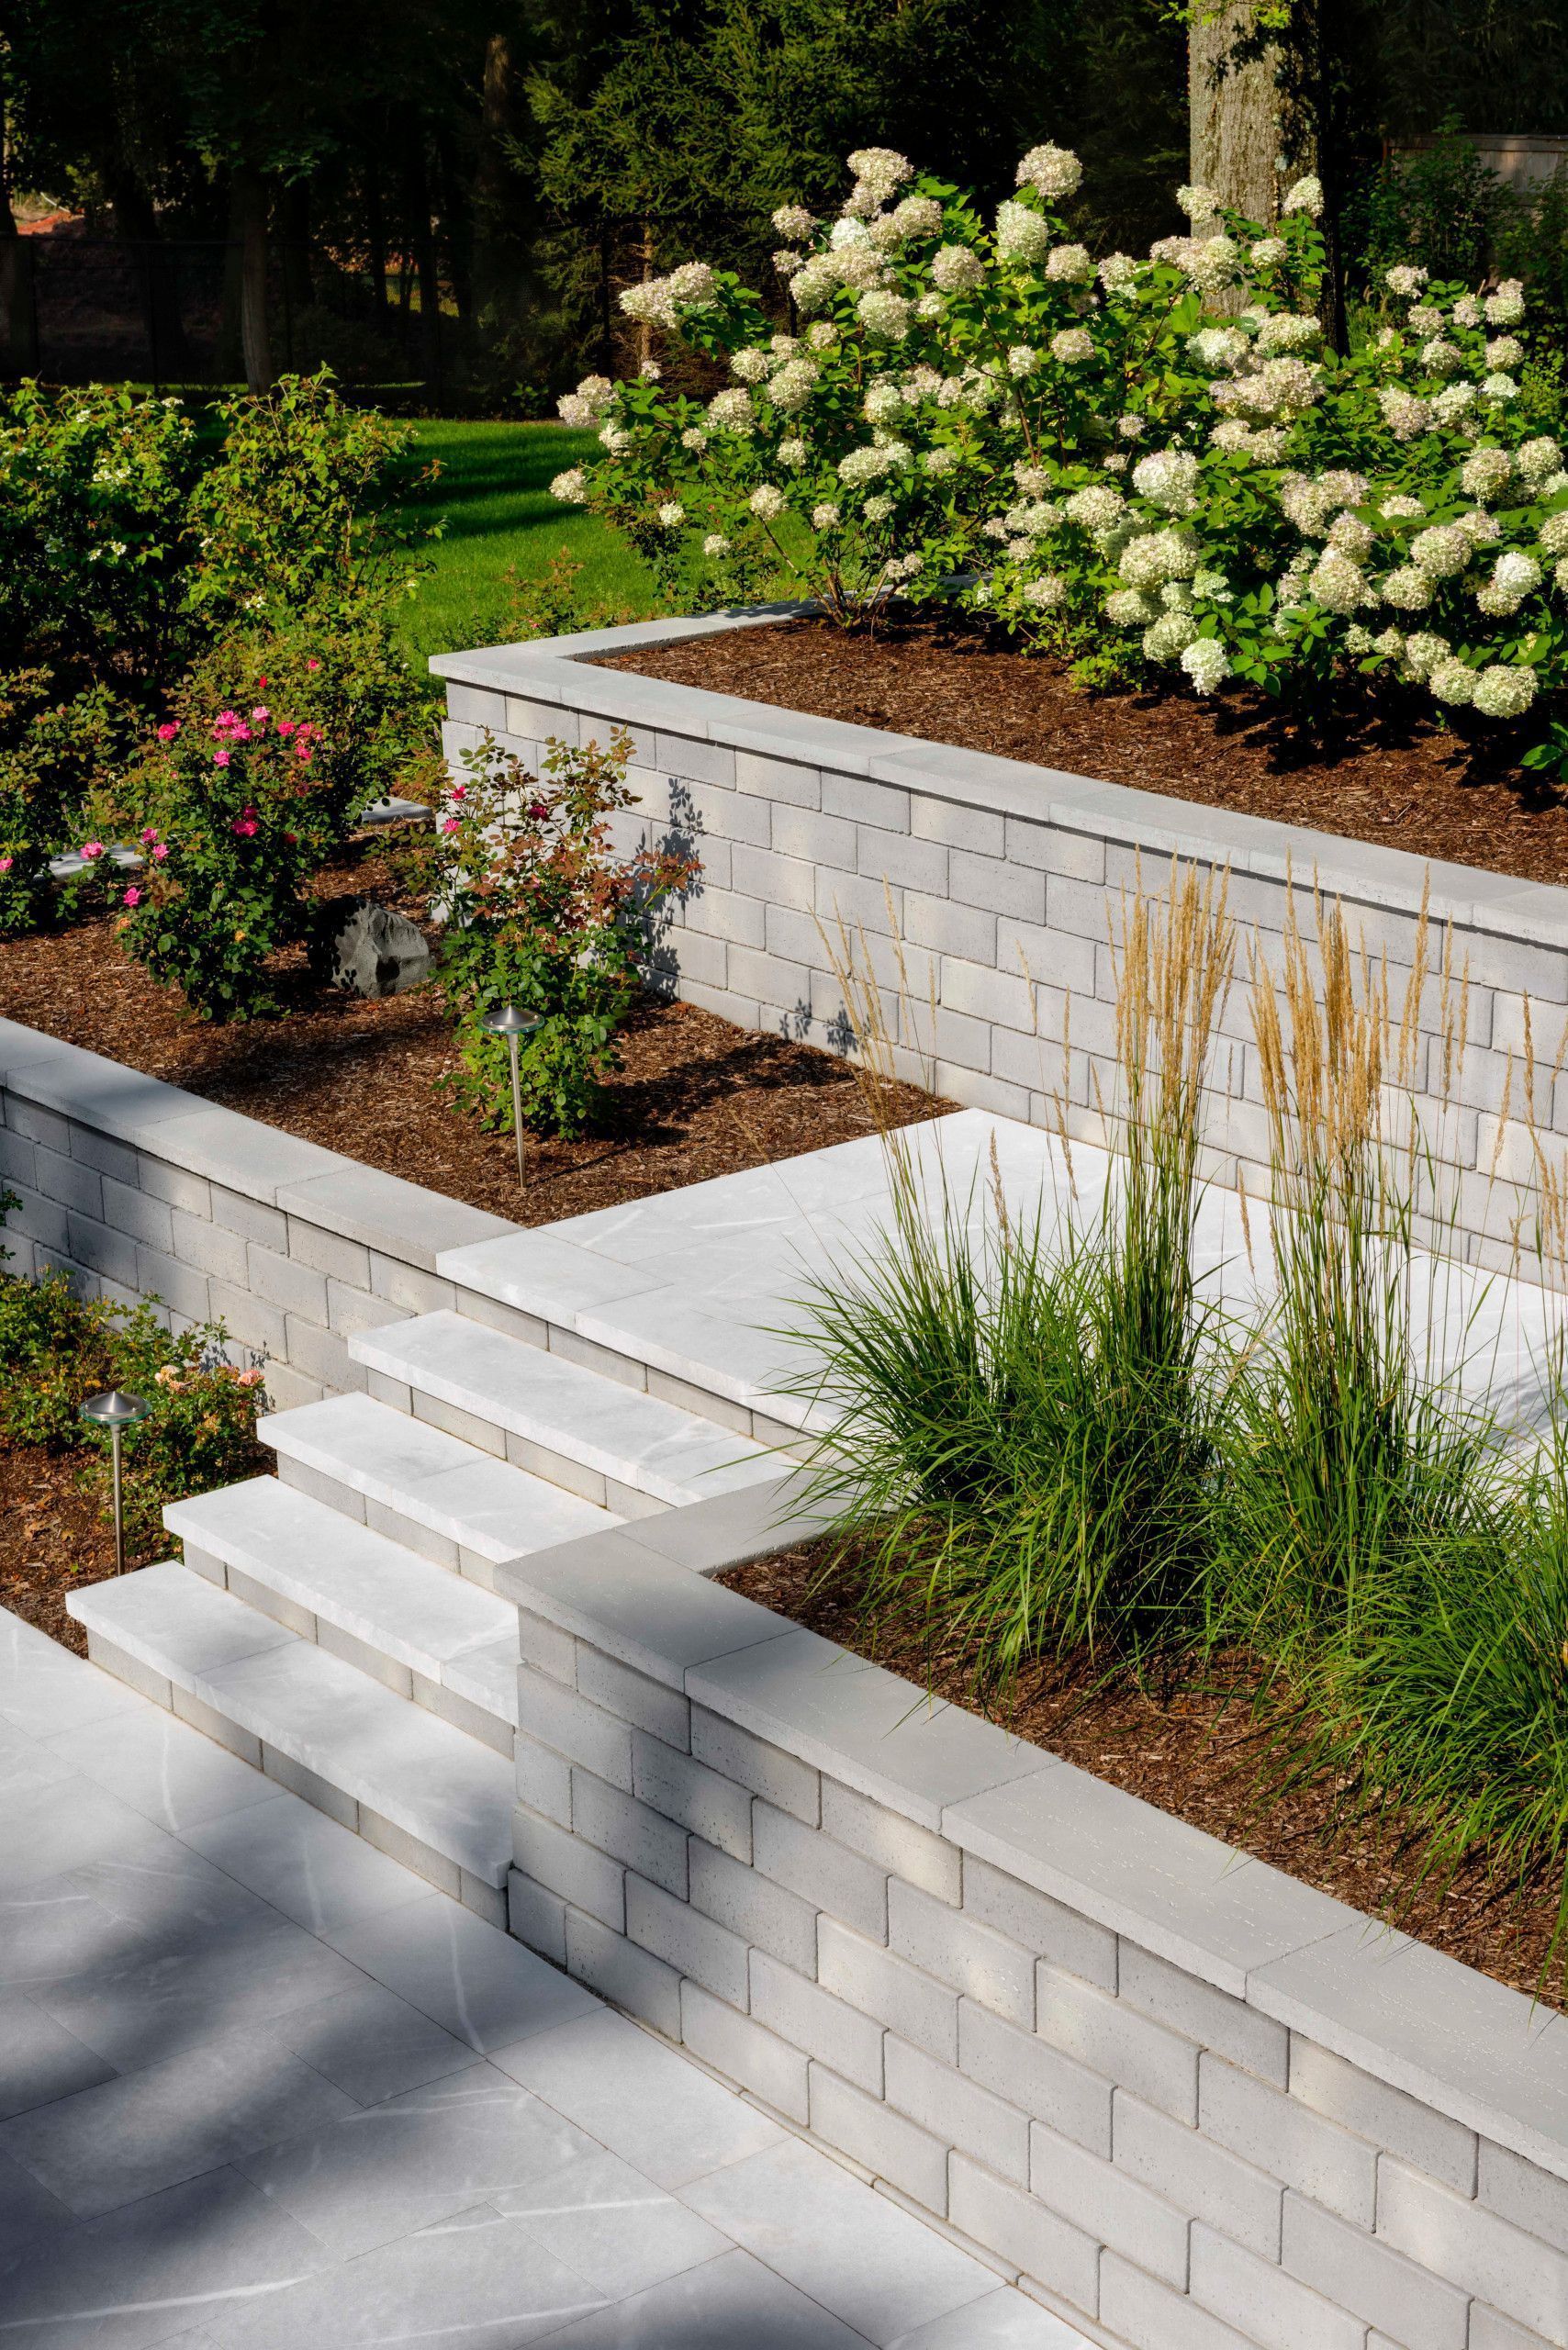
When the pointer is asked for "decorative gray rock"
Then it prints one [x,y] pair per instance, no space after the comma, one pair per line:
[377,951]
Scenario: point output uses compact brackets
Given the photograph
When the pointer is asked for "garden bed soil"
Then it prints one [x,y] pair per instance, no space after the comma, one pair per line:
[53,1540]
[1385,773]
[1198,1753]
[697,1097]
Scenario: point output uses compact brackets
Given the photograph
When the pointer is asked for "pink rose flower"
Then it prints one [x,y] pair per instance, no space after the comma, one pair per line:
[450,825]
[460,791]
[92,851]
[159,851]
[313,664]
[131,898]
[245,826]
[7,863]
[260,714]
[285,725]
[221,758]
[167,732]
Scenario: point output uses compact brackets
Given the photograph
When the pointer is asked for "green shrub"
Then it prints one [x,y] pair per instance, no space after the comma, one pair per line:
[539,912]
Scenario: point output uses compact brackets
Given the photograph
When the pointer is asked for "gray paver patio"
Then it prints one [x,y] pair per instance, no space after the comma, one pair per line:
[260,2086]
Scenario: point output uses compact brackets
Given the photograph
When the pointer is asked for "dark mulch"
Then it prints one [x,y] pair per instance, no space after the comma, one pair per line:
[1197,1755]
[697,1096]
[1386,772]
[52,1539]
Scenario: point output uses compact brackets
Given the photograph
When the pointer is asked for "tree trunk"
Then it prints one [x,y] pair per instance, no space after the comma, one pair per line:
[422,238]
[493,262]
[1234,108]
[137,224]
[250,222]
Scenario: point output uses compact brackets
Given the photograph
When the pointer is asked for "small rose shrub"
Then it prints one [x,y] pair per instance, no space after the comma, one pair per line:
[539,911]
[1157,463]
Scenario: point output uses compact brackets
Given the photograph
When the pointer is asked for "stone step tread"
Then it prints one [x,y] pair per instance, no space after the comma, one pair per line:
[422,1473]
[300,1550]
[639,1440]
[452,1794]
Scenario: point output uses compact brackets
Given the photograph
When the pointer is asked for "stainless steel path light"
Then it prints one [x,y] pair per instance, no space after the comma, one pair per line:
[117,1411]
[514,1024]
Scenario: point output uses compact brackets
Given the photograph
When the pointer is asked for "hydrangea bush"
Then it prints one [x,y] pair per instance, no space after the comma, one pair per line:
[1156,462]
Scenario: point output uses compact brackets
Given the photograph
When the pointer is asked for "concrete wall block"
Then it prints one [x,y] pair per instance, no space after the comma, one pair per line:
[900,858]
[537,1918]
[251,1219]
[544,1780]
[702,1800]
[1018,891]
[976,830]
[1003,998]
[768,981]
[211,1247]
[18,1162]
[1109,2204]
[694,1945]
[992,1970]
[130,1209]
[629,1831]
[39,1219]
[322,1354]
[349,1311]
[778,880]
[1188,2169]
[107,1252]
[1079,906]
[775,781]
[966,932]
[1402,2300]
[1053,849]
[585,1733]
[897,1995]
[1200,2012]
[1401,2125]
[979,2123]
[1137,2309]
[893,1842]
[1040,955]
[553,1857]
[821,1872]
[1279,2135]
[744,2051]
[805,2015]
[1490,2330]
[174,1185]
[1010,2222]
[120,1159]
[815,839]
[623,1974]
[722,913]
[1117,2042]
[762,1913]
[882,2142]
[1522,2193]
[408,1286]
[1045,1929]
[1474,2249]
[283,1281]
[883,806]
[67,1182]
[39,1124]
[547,1648]
[1027,2072]
[327,1252]
[1262,2303]
[182,1290]
[637,1698]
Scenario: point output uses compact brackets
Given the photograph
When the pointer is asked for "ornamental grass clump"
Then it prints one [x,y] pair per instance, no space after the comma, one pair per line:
[1021,1405]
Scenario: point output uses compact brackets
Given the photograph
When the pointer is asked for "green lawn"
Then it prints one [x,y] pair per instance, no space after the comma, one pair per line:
[493,496]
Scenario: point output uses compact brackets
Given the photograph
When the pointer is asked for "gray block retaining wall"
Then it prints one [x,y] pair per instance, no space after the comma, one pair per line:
[999,880]
[1189,2102]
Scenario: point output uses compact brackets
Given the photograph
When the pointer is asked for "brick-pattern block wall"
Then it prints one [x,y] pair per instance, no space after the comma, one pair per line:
[981,893]
[1156,2159]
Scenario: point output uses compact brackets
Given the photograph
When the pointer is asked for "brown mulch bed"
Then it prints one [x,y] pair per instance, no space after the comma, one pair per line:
[1196,1755]
[52,1541]
[1386,774]
[697,1097]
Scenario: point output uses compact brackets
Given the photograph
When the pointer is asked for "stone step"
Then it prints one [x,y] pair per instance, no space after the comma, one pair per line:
[425,1633]
[621,1447]
[424,1488]
[433,1797]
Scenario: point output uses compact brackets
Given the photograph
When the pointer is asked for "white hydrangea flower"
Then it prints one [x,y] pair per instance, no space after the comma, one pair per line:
[929,307]
[695,438]
[1560,577]
[1217,347]
[1213,586]
[1405,279]
[1406,415]
[1554,534]
[749,367]
[1021,234]
[1359,641]
[1034,518]
[1499,387]
[1505,307]
[1072,345]
[1468,312]
[884,403]
[1453,403]
[1441,551]
[793,452]
[1052,171]
[885,315]
[1452,682]
[1537,459]
[878,509]
[1130,427]
[1424,653]
[672,514]
[816,282]
[823,336]
[1131,608]
[956,269]
[1306,195]
[1424,318]
[715,545]
[1022,360]
[1070,265]
[1310,501]
[917,216]
[787,260]
[1117,272]
[1199,203]
[1268,253]
[793,386]
[1440,357]
[867,465]
[1408,589]
[1047,592]
[1211,262]
[1503,690]
[614,438]
[1280,387]
[1168,477]
[1097,507]
[794,221]
[1514,576]
[1504,350]
[1288,330]
[1351,536]
[1339,584]
[650,372]
[1176,596]
[584,407]
[1154,556]
[1390,644]
[1400,508]
[938,461]
[861,268]
[1479,527]
[1033,481]
[1169,636]
[571,487]
[1486,472]
[881,170]
[824,517]
[1115,464]
[1206,664]
[731,411]
[767,502]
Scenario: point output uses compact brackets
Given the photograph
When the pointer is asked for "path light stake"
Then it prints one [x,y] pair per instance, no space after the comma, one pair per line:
[514,1024]
[116,1410]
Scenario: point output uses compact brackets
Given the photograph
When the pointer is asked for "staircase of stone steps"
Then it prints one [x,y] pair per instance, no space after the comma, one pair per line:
[337,1626]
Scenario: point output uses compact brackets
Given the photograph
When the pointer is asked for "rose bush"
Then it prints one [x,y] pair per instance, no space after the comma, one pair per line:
[1157,463]
[539,911]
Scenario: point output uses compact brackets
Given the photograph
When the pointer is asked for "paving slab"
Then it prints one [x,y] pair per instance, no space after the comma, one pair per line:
[479,1985]
[319,1874]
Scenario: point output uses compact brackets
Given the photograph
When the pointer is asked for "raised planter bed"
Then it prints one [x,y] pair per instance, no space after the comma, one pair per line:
[994,879]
